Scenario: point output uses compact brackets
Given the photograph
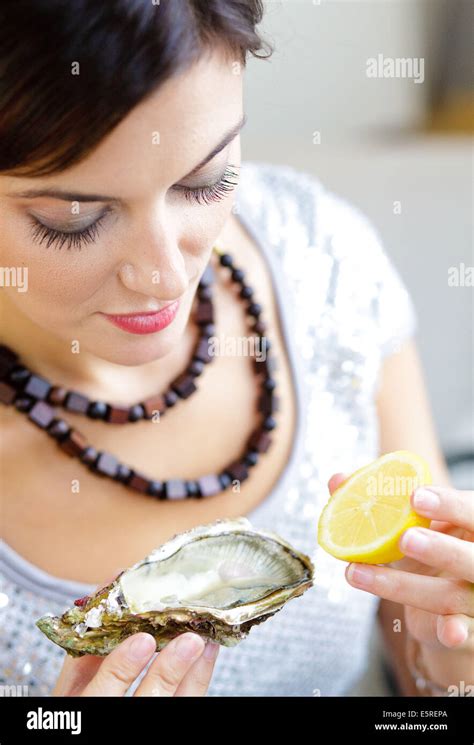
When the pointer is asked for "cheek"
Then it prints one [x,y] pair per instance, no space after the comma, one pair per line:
[62,284]
[201,227]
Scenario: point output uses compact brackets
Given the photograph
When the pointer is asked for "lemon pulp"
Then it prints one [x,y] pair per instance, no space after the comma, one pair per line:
[366,515]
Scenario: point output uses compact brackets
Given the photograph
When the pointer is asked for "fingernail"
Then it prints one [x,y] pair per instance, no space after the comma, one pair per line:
[414,541]
[141,646]
[210,650]
[188,646]
[360,575]
[425,500]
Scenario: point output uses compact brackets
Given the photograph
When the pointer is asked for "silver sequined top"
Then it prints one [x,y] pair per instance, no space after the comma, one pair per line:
[342,308]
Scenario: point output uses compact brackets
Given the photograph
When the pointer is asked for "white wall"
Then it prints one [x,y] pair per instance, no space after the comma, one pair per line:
[316,81]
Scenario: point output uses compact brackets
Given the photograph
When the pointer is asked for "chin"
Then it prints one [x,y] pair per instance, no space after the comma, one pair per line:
[138,350]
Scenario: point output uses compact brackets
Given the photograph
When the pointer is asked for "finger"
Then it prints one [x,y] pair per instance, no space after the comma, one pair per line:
[422,625]
[75,673]
[444,504]
[436,631]
[440,550]
[120,668]
[171,665]
[456,632]
[435,594]
[197,679]
[335,481]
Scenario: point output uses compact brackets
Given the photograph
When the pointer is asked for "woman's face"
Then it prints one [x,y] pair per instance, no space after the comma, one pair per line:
[130,228]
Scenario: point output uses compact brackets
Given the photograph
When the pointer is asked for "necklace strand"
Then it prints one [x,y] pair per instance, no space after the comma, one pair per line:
[35,400]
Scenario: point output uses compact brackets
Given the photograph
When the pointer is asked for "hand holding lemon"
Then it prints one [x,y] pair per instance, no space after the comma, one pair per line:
[380,514]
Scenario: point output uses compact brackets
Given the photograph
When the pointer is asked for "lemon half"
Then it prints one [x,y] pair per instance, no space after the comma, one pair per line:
[366,515]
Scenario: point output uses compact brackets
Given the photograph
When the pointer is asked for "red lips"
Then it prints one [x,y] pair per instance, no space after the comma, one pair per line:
[146,322]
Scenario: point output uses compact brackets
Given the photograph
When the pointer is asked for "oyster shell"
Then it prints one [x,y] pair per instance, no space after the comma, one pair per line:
[217,580]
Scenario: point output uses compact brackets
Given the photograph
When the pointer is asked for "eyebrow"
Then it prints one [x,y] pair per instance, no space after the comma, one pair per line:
[68,196]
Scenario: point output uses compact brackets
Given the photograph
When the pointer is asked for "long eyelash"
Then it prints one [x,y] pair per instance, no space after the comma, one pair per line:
[60,239]
[208,194]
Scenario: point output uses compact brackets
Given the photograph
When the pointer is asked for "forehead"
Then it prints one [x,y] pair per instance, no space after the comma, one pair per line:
[164,137]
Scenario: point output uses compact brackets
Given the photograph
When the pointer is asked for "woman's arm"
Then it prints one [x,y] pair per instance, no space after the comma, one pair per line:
[405,424]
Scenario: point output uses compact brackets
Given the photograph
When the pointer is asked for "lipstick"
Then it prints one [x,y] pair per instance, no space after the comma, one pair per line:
[146,322]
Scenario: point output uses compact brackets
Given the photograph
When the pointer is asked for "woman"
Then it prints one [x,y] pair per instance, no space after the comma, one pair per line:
[120,171]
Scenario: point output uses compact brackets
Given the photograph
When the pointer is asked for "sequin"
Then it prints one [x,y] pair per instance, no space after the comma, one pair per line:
[344,308]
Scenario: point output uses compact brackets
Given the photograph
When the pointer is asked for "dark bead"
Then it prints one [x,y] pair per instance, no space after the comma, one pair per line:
[254,309]
[269,384]
[208,330]
[106,465]
[268,403]
[192,489]
[58,429]
[155,488]
[77,403]
[238,275]
[246,292]
[224,480]
[269,424]
[195,368]
[24,403]
[154,405]
[74,444]
[175,489]
[204,313]
[57,395]
[139,483]
[136,413]
[18,376]
[251,458]
[238,471]
[37,387]
[209,485]
[123,473]
[41,414]
[8,360]
[97,410]
[207,277]
[260,327]
[171,398]
[260,441]
[202,351]
[117,414]
[7,393]
[184,386]
[205,293]
[89,456]
[225,260]
[7,354]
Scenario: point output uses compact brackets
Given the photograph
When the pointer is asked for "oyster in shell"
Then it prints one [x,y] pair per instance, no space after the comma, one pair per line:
[217,580]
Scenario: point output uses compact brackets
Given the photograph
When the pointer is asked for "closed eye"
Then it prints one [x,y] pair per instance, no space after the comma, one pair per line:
[214,192]
[75,239]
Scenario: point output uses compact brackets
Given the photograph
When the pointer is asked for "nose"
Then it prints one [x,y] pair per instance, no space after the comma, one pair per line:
[154,265]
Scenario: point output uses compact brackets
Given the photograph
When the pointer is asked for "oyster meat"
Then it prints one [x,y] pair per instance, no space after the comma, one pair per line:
[217,580]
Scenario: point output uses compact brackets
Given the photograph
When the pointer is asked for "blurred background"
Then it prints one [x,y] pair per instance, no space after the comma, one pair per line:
[401,149]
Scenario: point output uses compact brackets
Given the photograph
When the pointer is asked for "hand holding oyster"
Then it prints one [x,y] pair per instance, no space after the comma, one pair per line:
[217,580]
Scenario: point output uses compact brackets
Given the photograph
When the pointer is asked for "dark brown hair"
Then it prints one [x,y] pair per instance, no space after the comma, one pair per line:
[71,71]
